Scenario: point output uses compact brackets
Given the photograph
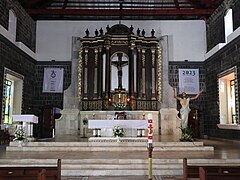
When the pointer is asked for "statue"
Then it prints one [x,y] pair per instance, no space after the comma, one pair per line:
[184,101]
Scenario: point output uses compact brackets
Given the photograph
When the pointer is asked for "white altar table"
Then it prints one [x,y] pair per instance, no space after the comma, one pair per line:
[130,126]
[28,120]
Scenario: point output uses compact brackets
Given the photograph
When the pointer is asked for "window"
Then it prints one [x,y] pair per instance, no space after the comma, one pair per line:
[228,23]
[7,119]
[12,24]
[227,97]
[12,96]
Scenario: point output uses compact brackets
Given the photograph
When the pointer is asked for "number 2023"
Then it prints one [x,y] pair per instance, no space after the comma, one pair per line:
[190,73]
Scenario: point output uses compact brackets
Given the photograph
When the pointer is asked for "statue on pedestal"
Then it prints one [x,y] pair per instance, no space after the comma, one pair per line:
[184,101]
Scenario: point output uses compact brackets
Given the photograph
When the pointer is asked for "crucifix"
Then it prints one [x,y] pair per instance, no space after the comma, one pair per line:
[120,64]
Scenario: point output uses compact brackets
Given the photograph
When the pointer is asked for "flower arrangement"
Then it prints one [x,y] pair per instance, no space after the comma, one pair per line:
[118,131]
[19,134]
[186,134]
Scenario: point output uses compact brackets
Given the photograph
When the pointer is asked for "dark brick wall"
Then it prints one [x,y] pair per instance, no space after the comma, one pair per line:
[236,15]
[26,27]
[33,98]
[226,58]
[200,102]
[13,58]
[215,24]
[215,28]
[4,14]
[49,99]
[43,100]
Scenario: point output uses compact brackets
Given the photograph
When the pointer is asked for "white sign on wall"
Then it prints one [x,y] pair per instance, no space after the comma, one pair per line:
[53,80]
[189,81]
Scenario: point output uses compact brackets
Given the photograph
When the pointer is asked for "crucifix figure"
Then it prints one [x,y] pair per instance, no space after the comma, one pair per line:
[120,64]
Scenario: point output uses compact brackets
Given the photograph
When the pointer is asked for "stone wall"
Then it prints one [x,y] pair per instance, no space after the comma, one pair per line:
[26,27]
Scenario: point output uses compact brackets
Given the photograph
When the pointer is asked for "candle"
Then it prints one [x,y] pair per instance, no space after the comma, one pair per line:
[150,129]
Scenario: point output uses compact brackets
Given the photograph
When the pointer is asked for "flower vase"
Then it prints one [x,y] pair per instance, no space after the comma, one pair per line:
[20,143]
[118,138]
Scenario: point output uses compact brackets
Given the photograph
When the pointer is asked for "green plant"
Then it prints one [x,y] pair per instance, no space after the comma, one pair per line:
[186,134]
[85,121]
[19,134]
[118,131]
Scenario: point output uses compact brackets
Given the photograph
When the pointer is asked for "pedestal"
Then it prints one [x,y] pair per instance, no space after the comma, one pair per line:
[170,123]
[68,123]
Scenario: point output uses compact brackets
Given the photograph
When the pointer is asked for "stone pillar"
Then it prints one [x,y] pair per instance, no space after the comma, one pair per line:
[68,123]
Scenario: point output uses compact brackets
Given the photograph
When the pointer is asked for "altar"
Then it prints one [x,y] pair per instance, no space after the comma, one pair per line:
[131,127]
[27,121]
[118,71]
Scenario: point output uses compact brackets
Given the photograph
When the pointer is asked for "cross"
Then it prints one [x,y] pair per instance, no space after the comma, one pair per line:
[119,64]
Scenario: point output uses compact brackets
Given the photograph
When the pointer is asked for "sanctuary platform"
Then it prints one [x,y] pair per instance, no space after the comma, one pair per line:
[82,158]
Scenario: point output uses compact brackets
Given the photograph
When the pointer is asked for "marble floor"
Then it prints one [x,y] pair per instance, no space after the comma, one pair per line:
[123,177]
[223,149]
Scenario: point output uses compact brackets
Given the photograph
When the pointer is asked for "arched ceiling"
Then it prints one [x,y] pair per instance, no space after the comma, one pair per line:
[120,9]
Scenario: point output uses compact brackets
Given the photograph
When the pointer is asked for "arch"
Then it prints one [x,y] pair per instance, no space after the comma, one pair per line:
[12,24]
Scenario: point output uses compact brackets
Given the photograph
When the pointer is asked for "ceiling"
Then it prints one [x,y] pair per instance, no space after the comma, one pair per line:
[120,9]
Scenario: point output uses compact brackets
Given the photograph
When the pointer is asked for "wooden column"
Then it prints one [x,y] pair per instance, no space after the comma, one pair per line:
[100,73]
[108,73]
[139,73]
[131,72]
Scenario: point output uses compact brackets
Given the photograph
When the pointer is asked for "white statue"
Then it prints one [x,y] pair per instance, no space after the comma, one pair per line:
[184,101]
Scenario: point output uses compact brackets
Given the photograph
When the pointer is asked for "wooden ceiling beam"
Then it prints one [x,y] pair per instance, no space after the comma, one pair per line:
[124,12]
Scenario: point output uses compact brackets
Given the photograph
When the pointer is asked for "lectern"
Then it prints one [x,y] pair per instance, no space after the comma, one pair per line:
[27,120]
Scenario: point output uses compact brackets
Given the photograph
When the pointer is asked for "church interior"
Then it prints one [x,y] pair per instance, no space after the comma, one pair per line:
[93,89]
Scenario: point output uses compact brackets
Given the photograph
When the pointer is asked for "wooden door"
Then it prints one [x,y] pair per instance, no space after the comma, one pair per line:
[48,122]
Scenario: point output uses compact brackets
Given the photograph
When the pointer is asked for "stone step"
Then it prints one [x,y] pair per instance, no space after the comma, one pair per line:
[108,144]
[120,166]
[117,167]
[121,161]
[112,149]
[118,172]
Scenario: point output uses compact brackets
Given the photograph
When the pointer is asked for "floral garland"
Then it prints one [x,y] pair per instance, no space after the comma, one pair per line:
[118,131]
[19,134]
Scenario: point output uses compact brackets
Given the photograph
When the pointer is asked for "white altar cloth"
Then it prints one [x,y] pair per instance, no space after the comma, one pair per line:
[126,124]
[25,118]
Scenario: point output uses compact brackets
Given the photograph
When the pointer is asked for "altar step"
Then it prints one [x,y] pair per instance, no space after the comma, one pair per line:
[117,167]
[109,146]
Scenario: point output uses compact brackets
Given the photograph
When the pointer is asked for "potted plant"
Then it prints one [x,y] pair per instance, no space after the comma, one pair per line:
[186,134]
[19,135]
